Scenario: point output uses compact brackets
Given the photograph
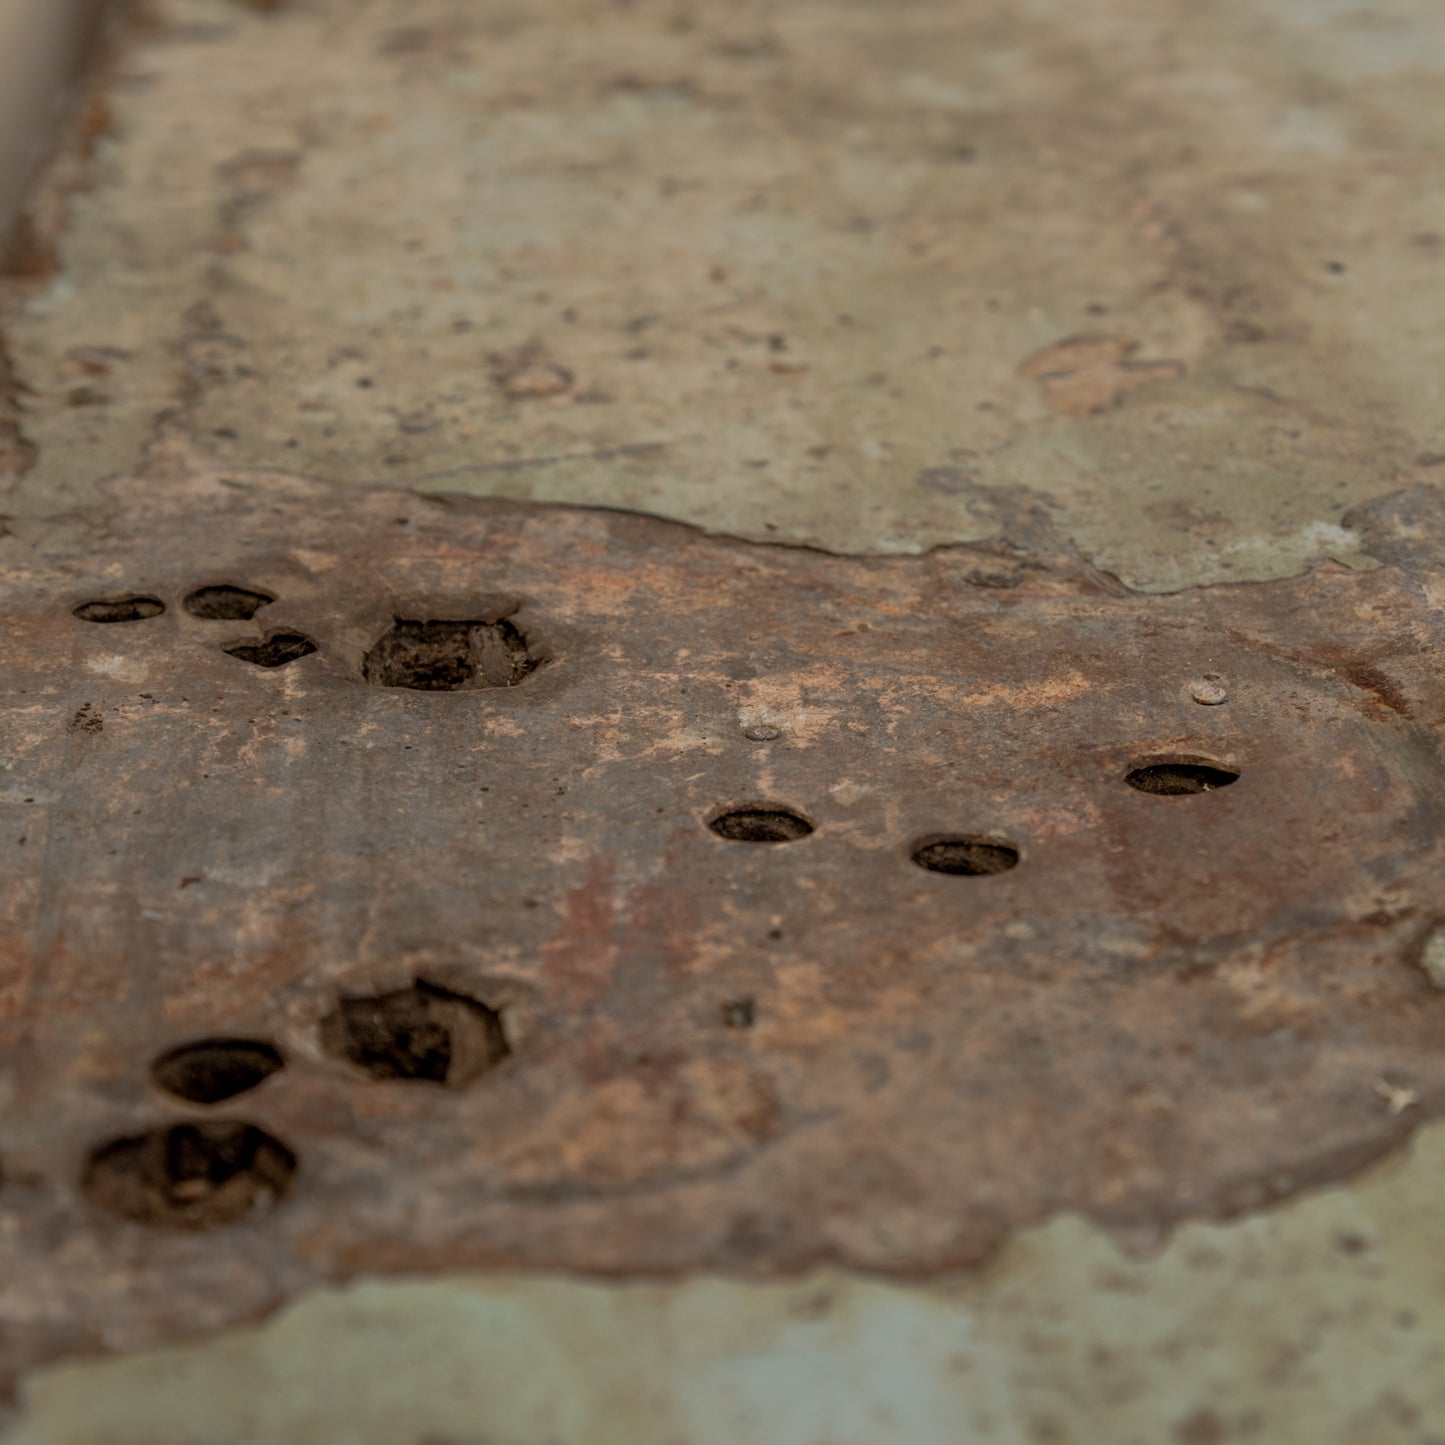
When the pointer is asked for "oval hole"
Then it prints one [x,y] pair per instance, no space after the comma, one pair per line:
[965,857]
[1168,779]
[449,656]
[423,1032]
[760,825]
[190,1176]
[280,649]
[120,609]
[213,1070]
[226,603]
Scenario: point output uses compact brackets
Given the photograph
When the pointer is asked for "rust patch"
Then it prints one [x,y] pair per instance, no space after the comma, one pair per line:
[1082,375]
[990,980]
[1368,677]
[577,960]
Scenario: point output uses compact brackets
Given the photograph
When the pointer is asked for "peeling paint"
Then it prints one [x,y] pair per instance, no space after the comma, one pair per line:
[1311,1325]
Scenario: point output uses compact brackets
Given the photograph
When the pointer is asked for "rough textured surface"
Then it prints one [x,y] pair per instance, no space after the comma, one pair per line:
[1132,1022]
[810,271]
[864,275]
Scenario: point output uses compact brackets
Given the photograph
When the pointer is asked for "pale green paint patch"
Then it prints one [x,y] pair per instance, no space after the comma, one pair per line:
[1320,1324]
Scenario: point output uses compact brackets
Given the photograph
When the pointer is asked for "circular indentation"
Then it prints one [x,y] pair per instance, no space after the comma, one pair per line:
[762,732]
[1168,778]
[760,824]
[739,1013]
[422,1032]
[449,656]
[120,609]
[216,1069]
[190,1176]
[962,856]
[279,649]
[226,603]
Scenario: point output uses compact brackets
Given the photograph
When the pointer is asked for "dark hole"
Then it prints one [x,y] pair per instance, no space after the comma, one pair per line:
[120,609]
[739,1013]
[190,1176]
[1173,780]
[761,825]
[277,650]
[215,1069]
[449,656]
[966,857]
[226,604]
[422,1032]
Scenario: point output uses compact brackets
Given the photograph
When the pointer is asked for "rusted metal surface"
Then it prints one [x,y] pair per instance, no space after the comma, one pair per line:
[624,1039]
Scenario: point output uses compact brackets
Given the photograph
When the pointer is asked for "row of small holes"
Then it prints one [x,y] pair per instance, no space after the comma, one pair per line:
[432,656]
[213,604]
[960,854]
[426,656]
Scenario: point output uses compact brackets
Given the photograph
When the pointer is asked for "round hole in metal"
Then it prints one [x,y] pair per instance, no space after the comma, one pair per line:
[226,603]
[423,1033]
[963,856]
[1175,778]
[213,1070]
[120,609]
[430,656]
[279,649]
[190,1176]
[760,823]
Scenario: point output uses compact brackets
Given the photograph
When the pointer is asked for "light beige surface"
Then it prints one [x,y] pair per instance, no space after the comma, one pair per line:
[785,265]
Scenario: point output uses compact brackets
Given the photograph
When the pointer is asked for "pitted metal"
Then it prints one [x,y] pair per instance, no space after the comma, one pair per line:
[710,1051]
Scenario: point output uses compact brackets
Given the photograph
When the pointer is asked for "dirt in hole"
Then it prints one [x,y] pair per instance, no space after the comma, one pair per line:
[1172,780]
[739,1013]
[422,1032]
[761,825]
[190,1176]
[449,656]
[276,651]
[226,603]
[213,1070]
[120,609]
[966,857]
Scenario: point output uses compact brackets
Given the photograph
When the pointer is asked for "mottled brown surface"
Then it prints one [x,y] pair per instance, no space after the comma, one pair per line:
[1173,1006]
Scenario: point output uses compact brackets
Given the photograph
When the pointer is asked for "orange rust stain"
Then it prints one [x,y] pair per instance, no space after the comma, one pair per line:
[656,1121]
[1049,692]
[17,976]
[243,981]
[1082,375]
[65,982]
[578,961]
[663,919]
